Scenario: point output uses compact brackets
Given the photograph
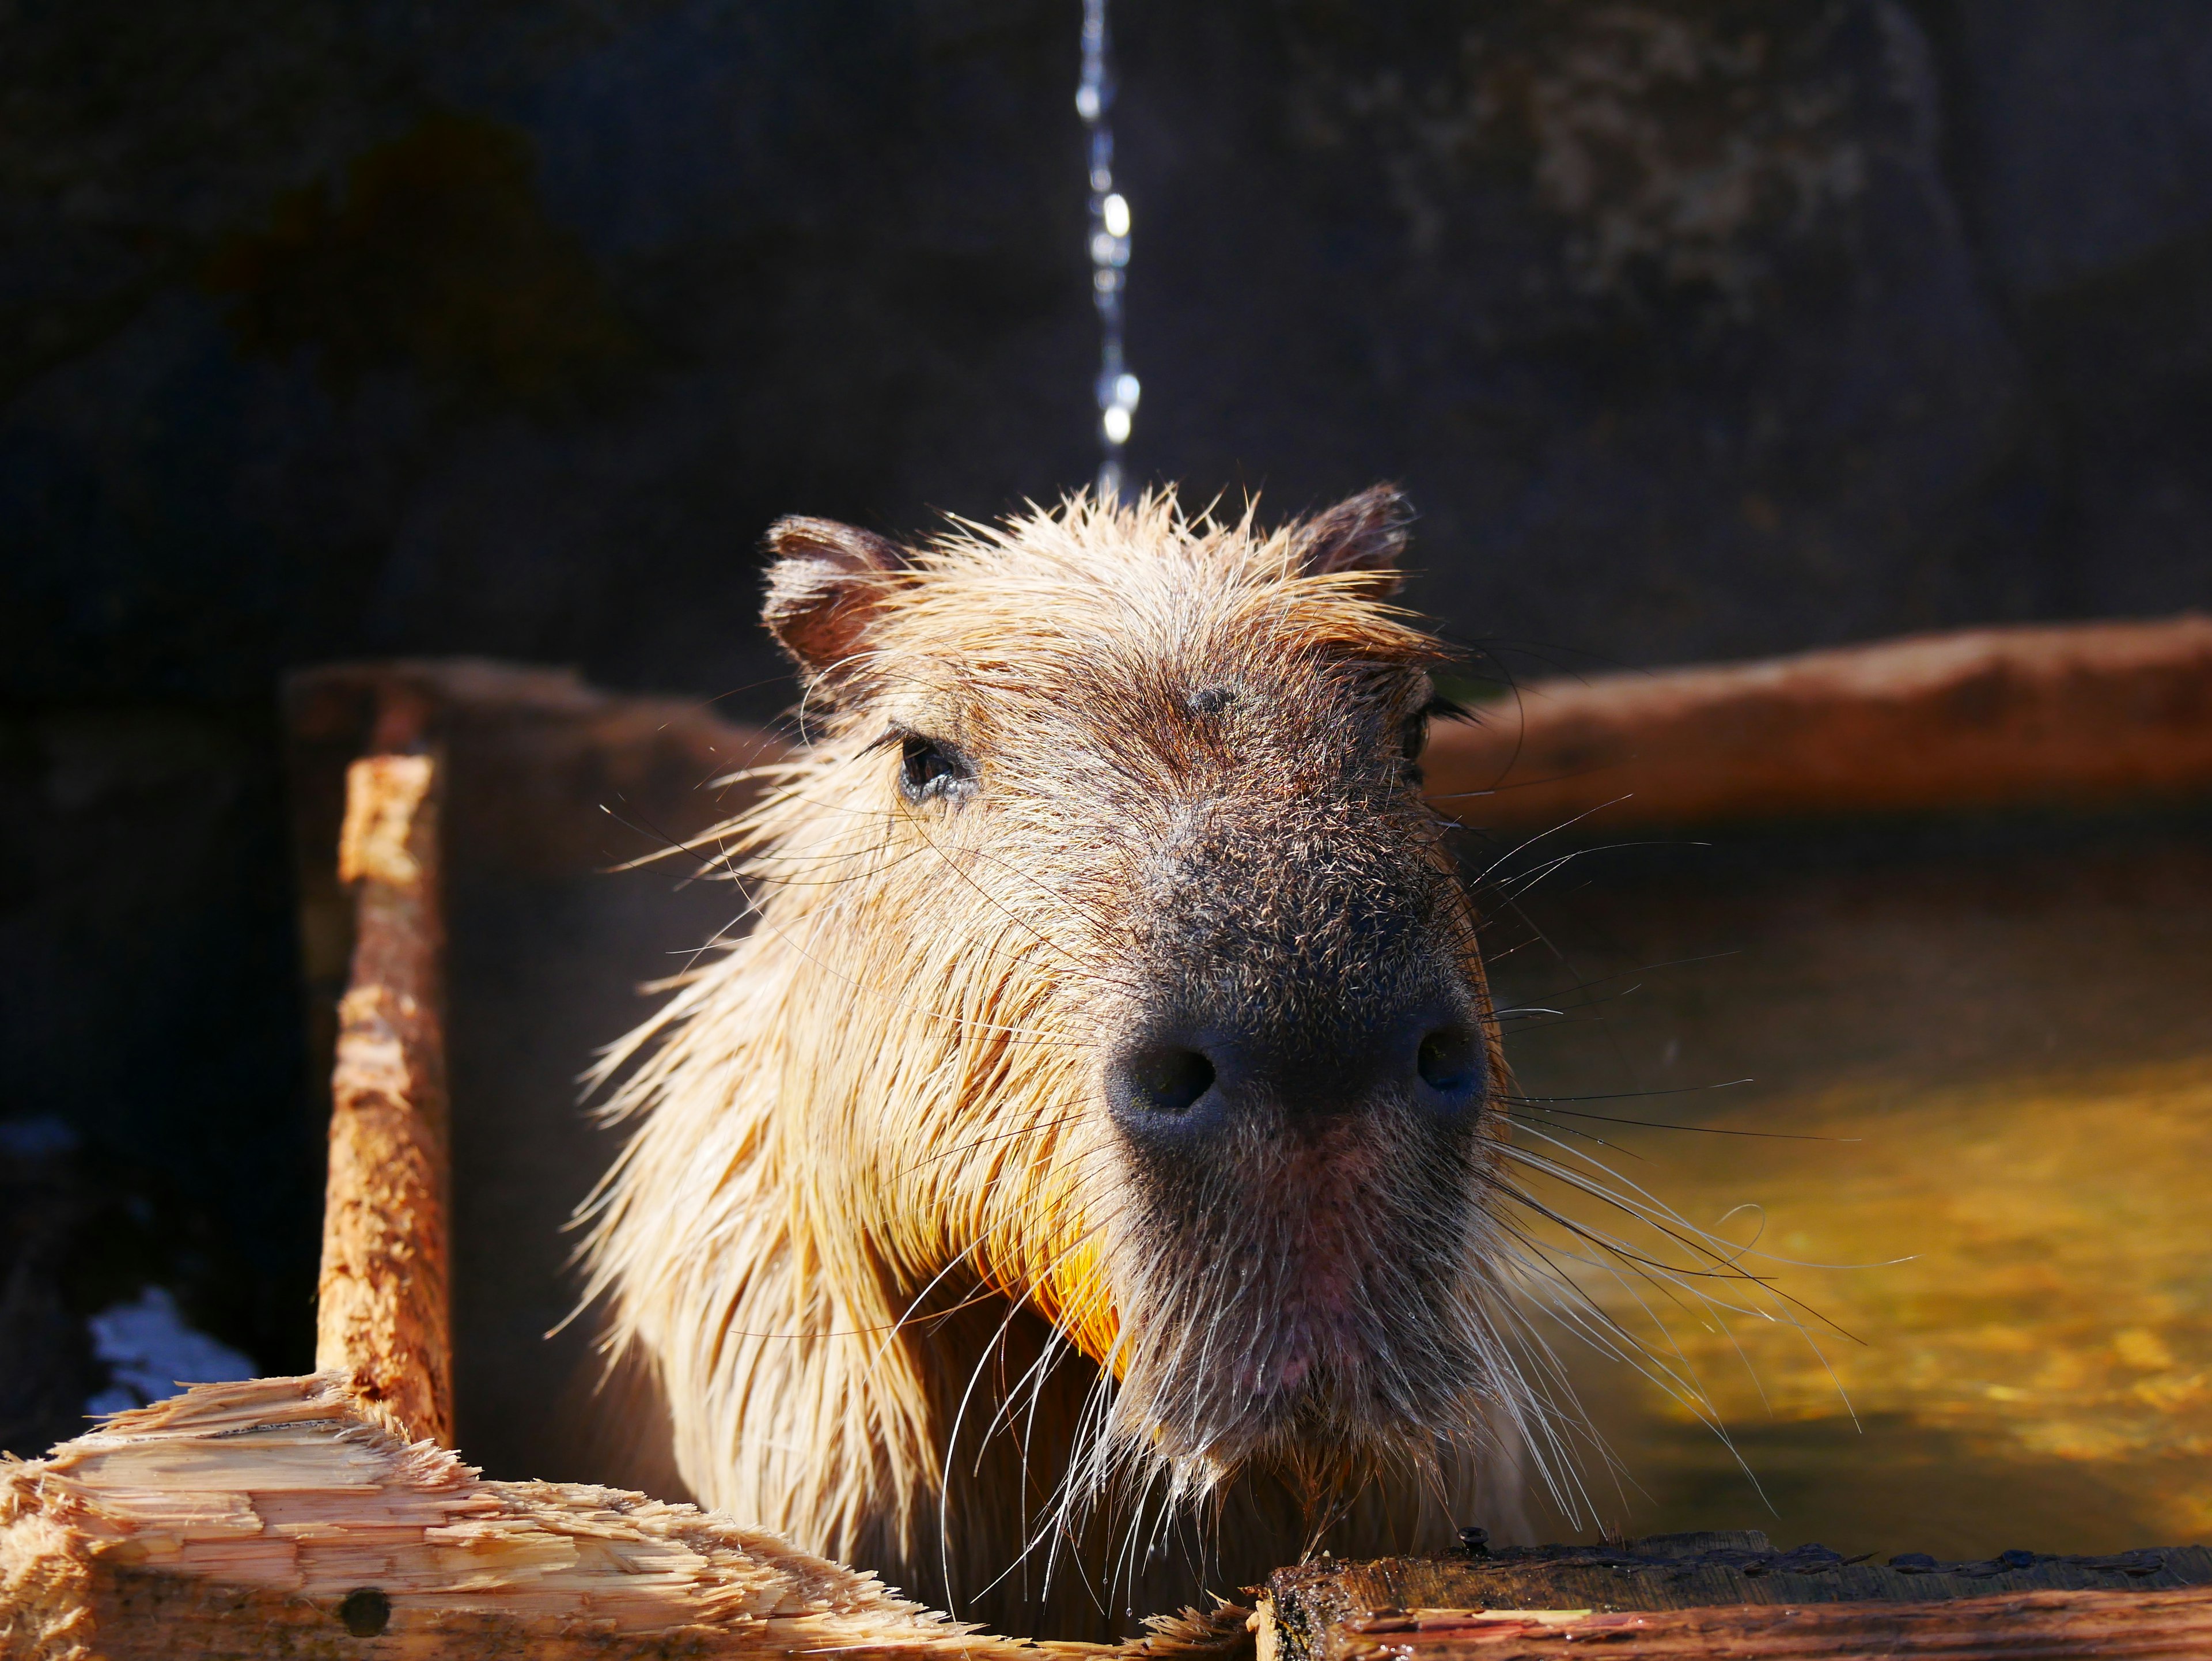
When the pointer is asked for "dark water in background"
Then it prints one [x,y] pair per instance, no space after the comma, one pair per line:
[2000,1039]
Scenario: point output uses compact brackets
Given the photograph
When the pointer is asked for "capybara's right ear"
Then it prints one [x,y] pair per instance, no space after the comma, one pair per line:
[824,588]
[1365,533]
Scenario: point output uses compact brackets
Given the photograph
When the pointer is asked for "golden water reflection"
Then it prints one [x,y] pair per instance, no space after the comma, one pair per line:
[2025,1243]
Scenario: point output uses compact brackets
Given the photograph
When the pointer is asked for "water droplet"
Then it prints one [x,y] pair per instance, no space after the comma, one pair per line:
[1086,102]
[1115,423]
[1115,213]
[1126,390]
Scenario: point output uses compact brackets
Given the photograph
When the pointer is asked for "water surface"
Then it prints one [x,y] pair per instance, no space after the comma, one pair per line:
[1981,1066]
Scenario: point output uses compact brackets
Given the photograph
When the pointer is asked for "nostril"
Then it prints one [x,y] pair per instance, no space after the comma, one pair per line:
[1168,1079]
[1448,1061]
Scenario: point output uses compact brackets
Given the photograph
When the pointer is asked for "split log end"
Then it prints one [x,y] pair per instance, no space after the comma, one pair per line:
[278,1516]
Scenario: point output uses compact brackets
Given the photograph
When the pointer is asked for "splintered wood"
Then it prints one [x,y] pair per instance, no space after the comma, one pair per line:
[383,1310]
[279,1518]
[276,1517]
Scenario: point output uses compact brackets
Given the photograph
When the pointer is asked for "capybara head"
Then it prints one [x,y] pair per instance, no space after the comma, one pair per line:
[1105,970]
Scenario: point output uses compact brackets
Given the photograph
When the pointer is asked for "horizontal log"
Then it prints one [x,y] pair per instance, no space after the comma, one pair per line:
[278,1518]
[547,776]
[1678,1571]
[1733,1595]
[2173,1626]
[2091,715]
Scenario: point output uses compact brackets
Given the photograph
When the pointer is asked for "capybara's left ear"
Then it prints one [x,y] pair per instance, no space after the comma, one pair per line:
[824,588]
[1366,532]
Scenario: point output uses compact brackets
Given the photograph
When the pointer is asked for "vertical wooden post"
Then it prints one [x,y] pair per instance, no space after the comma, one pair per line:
[383,1312]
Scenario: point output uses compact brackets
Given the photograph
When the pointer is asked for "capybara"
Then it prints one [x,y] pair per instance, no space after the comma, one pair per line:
[1074,1188]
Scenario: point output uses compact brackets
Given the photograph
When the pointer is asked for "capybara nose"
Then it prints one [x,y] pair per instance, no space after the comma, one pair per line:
[1184,1083]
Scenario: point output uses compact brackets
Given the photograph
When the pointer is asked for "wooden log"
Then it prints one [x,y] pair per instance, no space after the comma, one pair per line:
[2174,1626]
[1675,1570]
[281,1517]
[383,1316]
[2087,715]
[1733,1595]
[546,777]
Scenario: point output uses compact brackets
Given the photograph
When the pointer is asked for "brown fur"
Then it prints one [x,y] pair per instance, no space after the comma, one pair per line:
[910,1295]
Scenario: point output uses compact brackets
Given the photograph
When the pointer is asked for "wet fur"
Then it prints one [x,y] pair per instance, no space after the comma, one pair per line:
[907,1296]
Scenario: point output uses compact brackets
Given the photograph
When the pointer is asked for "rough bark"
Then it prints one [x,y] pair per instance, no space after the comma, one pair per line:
[384,1306]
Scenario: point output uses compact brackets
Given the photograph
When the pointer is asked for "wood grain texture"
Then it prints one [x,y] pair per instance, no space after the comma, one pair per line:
[1731,1594]
[1675,1570]
[383,1315]
[280,1517]
[2085,716]
[2173,1626]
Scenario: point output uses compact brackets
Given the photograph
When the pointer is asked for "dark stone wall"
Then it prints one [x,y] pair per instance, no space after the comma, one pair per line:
[1694,328]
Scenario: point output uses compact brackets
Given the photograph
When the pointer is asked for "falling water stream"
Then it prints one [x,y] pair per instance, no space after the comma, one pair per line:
[1116,389]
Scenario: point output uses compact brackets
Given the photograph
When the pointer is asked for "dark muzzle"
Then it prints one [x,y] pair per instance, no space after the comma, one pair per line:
[1193,1079]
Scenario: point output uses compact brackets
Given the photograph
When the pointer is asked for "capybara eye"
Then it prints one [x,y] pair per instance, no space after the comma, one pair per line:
[928,767]
[1412,739]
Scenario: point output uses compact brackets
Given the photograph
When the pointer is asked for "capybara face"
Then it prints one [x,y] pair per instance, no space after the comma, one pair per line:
[1106,963]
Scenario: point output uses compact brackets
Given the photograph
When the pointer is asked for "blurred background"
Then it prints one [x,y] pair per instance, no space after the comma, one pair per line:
[1694,331]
